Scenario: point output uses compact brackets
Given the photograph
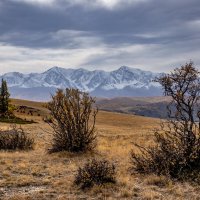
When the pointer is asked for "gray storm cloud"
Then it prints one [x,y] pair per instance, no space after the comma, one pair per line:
[102,34]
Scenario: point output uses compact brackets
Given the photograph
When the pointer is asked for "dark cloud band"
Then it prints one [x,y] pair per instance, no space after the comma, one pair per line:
[170,26]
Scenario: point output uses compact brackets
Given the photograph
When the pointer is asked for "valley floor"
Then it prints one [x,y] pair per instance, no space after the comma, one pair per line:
[39,175]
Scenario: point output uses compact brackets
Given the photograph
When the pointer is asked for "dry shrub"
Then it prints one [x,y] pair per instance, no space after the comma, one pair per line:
[171,156]
[95,172]
[176,151]
[73,121]
[15,139]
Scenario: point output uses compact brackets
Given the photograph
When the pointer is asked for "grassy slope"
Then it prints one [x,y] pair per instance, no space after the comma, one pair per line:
[143,106]
[37,175]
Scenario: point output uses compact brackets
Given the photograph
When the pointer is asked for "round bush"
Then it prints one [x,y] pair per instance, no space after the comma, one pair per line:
[95,172]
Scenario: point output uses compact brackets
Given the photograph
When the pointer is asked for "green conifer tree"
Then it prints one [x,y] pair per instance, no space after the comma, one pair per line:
[4,98]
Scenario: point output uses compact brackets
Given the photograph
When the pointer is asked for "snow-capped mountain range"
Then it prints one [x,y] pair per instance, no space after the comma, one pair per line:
[124,81]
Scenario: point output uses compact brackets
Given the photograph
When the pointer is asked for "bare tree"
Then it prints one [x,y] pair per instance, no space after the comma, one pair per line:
[177,143]
[73,121]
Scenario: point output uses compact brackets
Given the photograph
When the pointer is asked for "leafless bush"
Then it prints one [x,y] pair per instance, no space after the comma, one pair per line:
[15,139]
[176,151]
[95,172]
[73,121]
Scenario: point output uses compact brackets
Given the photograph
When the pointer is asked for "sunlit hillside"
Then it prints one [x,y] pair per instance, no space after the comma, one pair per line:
[38,175]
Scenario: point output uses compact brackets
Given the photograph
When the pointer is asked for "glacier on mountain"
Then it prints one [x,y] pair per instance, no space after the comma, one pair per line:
[124,81]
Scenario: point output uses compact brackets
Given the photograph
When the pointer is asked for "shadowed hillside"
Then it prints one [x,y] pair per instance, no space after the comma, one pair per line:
[144,106]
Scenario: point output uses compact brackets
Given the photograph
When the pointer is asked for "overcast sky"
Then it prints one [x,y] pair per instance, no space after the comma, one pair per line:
[154,35]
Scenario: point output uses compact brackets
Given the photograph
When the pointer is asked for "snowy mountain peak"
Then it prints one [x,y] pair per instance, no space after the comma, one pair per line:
[55,69]
[124,81]
[125,68]
[11,74]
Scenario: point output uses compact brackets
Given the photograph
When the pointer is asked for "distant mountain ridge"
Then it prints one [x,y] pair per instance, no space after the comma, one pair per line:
[124,81]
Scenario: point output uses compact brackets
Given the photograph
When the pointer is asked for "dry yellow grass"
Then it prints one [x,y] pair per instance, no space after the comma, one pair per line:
[38,175]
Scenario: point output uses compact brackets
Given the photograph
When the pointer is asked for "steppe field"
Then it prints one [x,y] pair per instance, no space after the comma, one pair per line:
[37,175]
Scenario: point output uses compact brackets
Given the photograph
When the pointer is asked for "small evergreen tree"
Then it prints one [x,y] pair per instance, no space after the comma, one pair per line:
[4,98]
